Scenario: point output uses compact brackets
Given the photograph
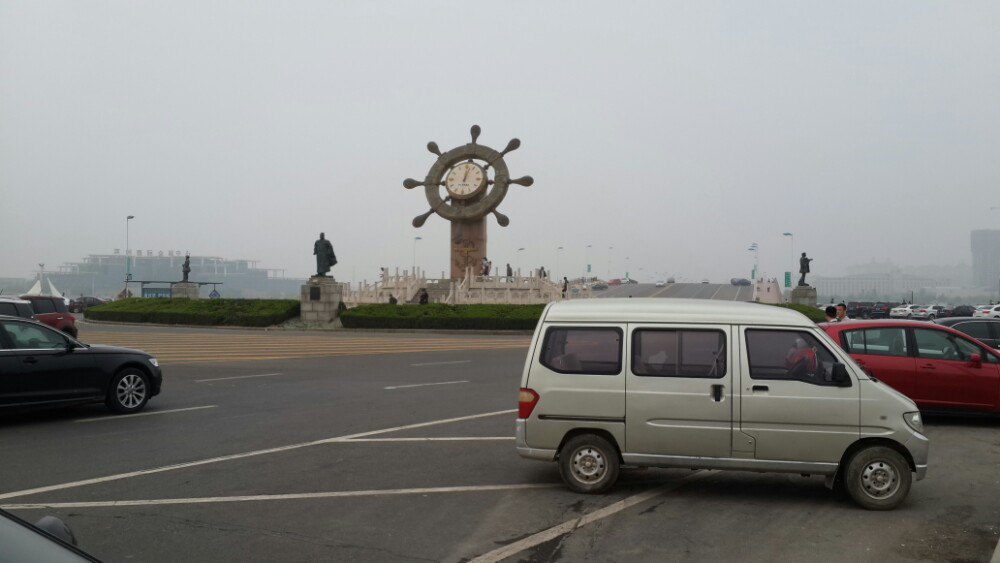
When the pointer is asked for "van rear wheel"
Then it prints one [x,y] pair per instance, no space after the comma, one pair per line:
[878,478]
[588,463]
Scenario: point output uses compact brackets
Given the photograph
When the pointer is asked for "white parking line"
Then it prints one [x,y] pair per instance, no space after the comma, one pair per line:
[140,473]
[235,377]
[512,549]
[443,439]
[424,384]
[290,496]
[442,363]
[151,413]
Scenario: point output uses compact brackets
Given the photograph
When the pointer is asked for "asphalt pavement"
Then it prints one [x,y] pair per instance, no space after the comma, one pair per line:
[410,456]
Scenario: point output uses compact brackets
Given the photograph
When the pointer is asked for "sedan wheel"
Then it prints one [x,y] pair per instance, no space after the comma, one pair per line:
[129,391]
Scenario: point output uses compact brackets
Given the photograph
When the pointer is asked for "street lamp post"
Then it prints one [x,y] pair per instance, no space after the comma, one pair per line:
[753,248]
[586,265]
[558,251]
[610,248]
[791,255]
[128,268]
[517,257]
[414,266]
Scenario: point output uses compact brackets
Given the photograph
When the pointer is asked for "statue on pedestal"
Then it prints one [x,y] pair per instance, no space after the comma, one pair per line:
[186,268]
[804,269]
[325,258]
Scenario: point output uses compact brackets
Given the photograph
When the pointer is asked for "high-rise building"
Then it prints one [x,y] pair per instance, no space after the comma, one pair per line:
[986,258]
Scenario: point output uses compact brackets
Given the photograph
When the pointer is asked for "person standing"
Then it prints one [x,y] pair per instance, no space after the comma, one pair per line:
[424,298]
[510,272]
[831,314]
[842,313]
[565,286]
[392,299]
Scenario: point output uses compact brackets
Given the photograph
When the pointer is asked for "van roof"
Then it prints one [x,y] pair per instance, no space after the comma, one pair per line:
[655,309]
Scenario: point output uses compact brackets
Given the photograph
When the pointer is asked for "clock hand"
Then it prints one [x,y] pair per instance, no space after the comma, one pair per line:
[466,173]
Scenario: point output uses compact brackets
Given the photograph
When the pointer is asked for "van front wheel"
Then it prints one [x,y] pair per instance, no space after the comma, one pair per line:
[878,478]
[588,464]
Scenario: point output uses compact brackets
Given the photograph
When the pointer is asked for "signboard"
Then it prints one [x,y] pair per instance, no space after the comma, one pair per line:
[788,279]
[156,292]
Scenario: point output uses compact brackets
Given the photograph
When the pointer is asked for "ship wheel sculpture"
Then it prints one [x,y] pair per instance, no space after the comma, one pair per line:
[470,194]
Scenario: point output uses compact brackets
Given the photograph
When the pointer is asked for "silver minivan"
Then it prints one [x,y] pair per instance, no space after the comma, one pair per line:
[715,385]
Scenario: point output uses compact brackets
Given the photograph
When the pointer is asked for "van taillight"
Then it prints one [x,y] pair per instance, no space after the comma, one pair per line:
[526,401]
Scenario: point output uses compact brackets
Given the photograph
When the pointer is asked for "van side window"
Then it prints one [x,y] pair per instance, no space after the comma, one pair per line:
[43,306]
[789,355]
[583,350]
[876,342]
[679,353]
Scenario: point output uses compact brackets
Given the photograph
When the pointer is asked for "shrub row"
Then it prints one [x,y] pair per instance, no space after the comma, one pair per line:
[233,312]
[439,316]
[815,315]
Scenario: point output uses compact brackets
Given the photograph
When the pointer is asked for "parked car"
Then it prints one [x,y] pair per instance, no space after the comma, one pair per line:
[81,304]
[937,366]
[53,312]
[16,308]
[599,286]
[958,311]
[49,539]
[991,311]
[42,366]
[859,309]
[928,312]
[986,331]
[740,281]
[664,373]
[880,310]
[661,283]
[904,311]
[615,281]
[982,311]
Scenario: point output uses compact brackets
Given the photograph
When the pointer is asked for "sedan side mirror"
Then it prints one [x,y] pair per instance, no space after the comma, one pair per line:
[840,376]
[975,360]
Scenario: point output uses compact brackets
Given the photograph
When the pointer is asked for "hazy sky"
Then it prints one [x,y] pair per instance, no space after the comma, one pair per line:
[678,133]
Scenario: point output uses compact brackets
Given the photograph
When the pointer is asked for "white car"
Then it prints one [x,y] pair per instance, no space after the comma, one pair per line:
[991,311]
[660,283]
[928,312]
[904,311]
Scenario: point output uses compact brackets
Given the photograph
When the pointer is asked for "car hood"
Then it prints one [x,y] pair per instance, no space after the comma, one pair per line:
[104,349]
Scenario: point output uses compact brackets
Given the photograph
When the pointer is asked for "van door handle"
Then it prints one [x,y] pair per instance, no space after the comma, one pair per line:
[717,393]
[30,360]
[928,366]
[760,388]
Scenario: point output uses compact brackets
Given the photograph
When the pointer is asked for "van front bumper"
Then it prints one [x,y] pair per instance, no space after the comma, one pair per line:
[919,446]
[522,445]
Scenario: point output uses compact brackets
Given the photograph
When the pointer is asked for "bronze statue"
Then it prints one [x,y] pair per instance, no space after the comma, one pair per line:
[804,269]
[325,258]
[186,268]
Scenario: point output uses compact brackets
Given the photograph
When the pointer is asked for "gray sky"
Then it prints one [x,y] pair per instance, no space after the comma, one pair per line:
[678,133]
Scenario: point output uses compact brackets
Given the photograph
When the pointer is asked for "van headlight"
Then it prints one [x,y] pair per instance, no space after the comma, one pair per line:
[914,421]
[154,362]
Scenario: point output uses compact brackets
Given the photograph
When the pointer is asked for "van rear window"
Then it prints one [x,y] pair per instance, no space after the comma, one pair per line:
[583,350]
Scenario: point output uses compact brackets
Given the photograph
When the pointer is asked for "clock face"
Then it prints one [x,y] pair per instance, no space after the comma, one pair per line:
[465,180]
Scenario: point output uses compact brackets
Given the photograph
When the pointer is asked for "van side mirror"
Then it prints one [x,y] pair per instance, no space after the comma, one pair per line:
[840,376]
[975,360]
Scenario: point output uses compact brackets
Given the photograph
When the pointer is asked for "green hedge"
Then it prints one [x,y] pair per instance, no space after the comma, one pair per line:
[234,312]
[815,315]
[436,315]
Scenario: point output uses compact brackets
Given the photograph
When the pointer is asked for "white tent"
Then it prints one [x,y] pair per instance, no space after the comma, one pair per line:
[37,289]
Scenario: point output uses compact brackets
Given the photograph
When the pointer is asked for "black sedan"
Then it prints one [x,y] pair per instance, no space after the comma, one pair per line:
[42,366]
[984,330]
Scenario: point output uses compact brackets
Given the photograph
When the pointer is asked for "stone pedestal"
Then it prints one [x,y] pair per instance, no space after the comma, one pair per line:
[803,295]
[320,299]
[468,247]
[184,290]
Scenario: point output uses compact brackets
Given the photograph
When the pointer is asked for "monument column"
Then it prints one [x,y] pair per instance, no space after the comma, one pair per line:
[468,247]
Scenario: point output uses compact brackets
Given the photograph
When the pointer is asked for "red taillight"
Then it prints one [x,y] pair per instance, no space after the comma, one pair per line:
[526,401]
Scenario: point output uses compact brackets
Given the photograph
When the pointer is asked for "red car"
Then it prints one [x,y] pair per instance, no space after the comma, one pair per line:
[52,311]
[936,366]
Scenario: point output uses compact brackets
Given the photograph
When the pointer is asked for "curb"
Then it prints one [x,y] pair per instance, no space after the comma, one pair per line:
[338,328]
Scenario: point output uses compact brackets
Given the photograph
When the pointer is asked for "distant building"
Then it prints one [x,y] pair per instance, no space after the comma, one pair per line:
[986,258]
[886,286]
[103,275]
